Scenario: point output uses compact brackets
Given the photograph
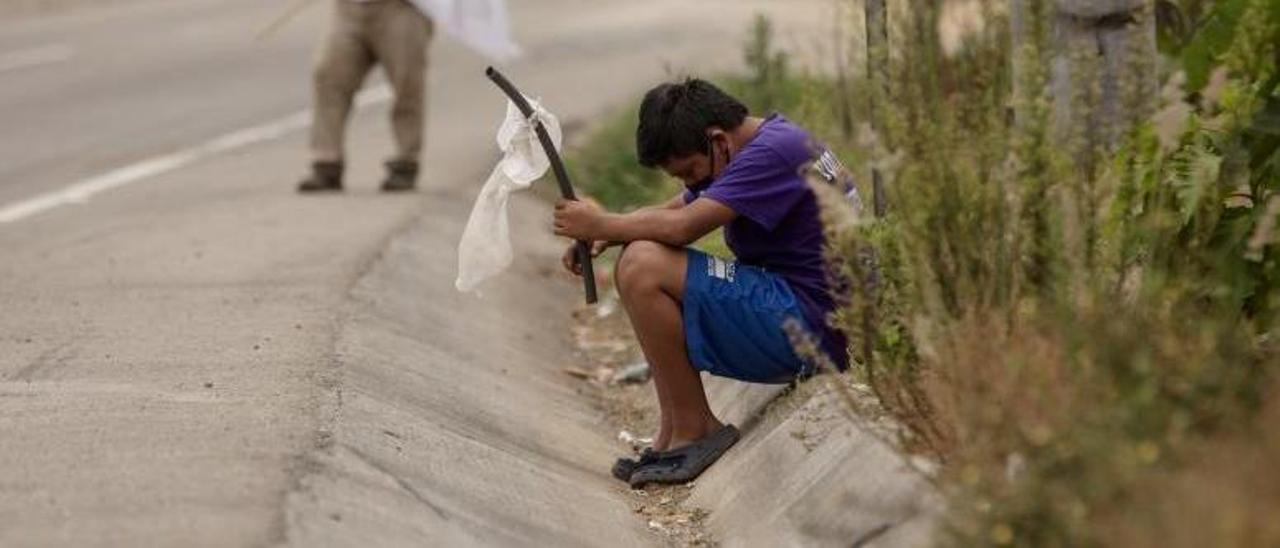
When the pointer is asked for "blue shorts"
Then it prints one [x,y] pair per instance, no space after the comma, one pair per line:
[733,317]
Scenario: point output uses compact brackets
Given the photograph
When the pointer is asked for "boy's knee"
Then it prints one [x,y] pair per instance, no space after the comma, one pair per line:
[641,262]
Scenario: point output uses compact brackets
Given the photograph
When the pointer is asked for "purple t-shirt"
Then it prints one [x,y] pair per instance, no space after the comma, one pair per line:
[778,227]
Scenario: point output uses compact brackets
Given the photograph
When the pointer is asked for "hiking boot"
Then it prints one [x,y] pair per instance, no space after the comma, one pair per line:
[402,176]
[325,177]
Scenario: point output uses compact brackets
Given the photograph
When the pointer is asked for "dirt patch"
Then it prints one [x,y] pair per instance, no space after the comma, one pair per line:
[606,347]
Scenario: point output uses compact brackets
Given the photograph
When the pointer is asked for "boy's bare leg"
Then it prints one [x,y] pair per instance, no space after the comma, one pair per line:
[651,282]
[661,439]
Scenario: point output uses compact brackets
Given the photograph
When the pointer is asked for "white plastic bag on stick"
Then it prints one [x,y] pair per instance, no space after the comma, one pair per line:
[482,25]
[485,249]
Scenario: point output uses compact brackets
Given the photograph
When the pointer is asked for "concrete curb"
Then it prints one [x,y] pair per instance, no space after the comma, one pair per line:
[805,475]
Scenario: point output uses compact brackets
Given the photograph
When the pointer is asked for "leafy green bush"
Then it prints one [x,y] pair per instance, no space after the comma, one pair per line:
[1058,331]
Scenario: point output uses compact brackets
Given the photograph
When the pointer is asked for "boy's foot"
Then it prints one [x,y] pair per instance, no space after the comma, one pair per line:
[402,176]
[325,177]
[685,463]
[623,468]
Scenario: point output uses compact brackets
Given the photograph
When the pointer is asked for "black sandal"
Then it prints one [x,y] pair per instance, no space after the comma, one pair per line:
[623,468]
[686,463]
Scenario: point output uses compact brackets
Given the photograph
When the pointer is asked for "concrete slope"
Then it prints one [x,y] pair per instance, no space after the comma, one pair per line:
[455,422]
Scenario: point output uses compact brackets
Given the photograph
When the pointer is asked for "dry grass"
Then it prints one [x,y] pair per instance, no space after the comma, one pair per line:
[1226,492]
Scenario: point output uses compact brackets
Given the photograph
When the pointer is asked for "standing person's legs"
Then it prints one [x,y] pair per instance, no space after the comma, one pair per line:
[651,280]
[401,37]
[343,62]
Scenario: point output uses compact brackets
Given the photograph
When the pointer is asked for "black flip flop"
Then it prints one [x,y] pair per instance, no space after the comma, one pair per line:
[686,463]
[623,468]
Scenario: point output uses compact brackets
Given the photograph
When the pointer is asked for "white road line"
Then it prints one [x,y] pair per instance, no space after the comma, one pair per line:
[35,57]
[82,191]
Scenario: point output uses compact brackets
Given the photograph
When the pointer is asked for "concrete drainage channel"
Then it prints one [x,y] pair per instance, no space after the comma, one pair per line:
[451,423]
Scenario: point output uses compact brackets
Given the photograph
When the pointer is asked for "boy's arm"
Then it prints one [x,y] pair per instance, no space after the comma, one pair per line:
[676,202]
[675,224]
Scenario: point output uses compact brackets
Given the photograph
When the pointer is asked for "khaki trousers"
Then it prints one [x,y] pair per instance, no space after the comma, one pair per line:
[390,33]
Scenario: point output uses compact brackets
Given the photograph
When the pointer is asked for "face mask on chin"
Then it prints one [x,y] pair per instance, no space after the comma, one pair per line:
[711,172]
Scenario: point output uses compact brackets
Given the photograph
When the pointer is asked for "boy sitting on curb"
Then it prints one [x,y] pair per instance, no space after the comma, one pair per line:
[692,312]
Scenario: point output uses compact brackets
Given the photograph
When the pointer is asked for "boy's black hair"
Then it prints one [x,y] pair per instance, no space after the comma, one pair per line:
[674,118]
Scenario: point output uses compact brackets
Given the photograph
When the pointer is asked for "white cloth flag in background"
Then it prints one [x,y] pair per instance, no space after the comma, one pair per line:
[485,249]
[480,24]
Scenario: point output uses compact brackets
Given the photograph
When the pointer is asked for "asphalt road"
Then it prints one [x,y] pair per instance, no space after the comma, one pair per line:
[172,314]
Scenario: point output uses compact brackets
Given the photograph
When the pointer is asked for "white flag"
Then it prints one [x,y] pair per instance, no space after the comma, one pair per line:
[485,249]
[480,24]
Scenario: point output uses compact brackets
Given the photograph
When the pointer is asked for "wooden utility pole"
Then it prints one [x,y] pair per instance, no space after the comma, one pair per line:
[1102,67]
[878,74]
